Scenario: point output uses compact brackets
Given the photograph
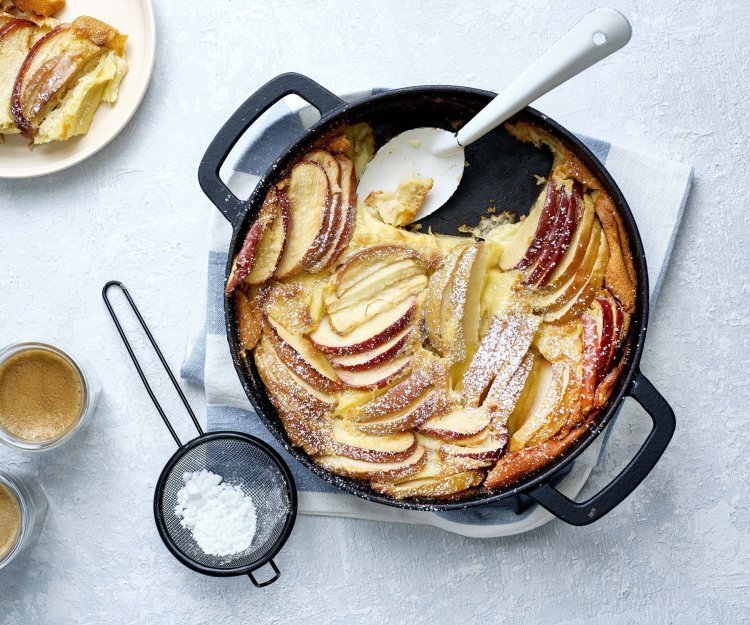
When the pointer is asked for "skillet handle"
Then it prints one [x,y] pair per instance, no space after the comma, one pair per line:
[250,110]
[630,477]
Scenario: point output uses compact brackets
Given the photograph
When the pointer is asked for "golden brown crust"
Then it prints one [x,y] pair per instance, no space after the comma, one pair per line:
[99,33]
[45,8]
[620,276]
[516,465]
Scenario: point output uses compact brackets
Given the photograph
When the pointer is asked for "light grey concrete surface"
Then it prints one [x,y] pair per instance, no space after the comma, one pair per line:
[675,552]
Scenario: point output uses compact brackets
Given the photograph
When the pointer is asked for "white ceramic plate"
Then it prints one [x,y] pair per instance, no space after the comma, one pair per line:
[132,17]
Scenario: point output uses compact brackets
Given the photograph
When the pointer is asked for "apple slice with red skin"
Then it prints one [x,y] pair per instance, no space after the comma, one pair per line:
[302,358]
[308,192]
[334,215]
[373,357]
[364,470]
[359,305]
[433,487]
[428,406]
[348,209]
[589,367]
[271,245]
[244,262]
[503,395]
[348,441]
[604,315]
[405,394]
[583,298]
[546,222]
[358,271]
[372,333]
[457,424]
[376,377]
[502,348]
[617,327]
[560,236]
[304,411]
[490,449]
[13,25]
[576,253]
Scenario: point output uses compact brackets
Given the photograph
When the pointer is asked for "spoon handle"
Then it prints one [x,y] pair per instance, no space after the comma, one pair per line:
[595,37]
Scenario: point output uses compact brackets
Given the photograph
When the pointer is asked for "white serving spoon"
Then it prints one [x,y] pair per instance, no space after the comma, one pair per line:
[439,154]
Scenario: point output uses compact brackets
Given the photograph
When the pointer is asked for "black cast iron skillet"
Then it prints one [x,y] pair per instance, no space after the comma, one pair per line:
[501,174]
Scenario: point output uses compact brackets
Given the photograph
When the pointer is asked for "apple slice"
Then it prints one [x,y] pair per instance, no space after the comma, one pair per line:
[457,424]
[16,38]
[304,411]
[353,443]
[335,214]
[490,449]
[406,393]
[366,290]
[300,356]
[435,487]
[374,357]
[430,405]
[504,393]
[364,470]
[346,319]
[271,245]
[249,319]
[584,297]
[525,235]
[244,262]
[376,377]
[604,317]
[548,300]
[360,268]
[348,210]
[528,241]
[590,366]
[573,258]
[367,336]
[541,414]
[309,196]
[559,238]
[460,307]
[502,347]
[616,315]
[433,306]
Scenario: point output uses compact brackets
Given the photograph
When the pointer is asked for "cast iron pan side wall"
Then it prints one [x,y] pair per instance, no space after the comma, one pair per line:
[448,107]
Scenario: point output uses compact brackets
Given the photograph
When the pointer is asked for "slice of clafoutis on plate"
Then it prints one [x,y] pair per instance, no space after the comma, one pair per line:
[66,73]
[432,366]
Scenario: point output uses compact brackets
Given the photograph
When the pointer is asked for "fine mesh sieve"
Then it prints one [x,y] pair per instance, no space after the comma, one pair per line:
[240,459]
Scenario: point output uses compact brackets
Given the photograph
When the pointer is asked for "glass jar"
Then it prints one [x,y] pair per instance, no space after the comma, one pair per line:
[32,505]
[90,387]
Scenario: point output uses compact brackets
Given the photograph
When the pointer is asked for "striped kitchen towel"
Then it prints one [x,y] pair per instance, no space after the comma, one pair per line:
[656,190]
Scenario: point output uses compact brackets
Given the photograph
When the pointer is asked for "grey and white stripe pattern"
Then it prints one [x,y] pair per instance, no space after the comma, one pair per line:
[656,190]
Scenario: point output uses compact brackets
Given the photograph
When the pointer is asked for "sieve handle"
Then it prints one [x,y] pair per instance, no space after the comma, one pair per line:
[126,293]
[268,582]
